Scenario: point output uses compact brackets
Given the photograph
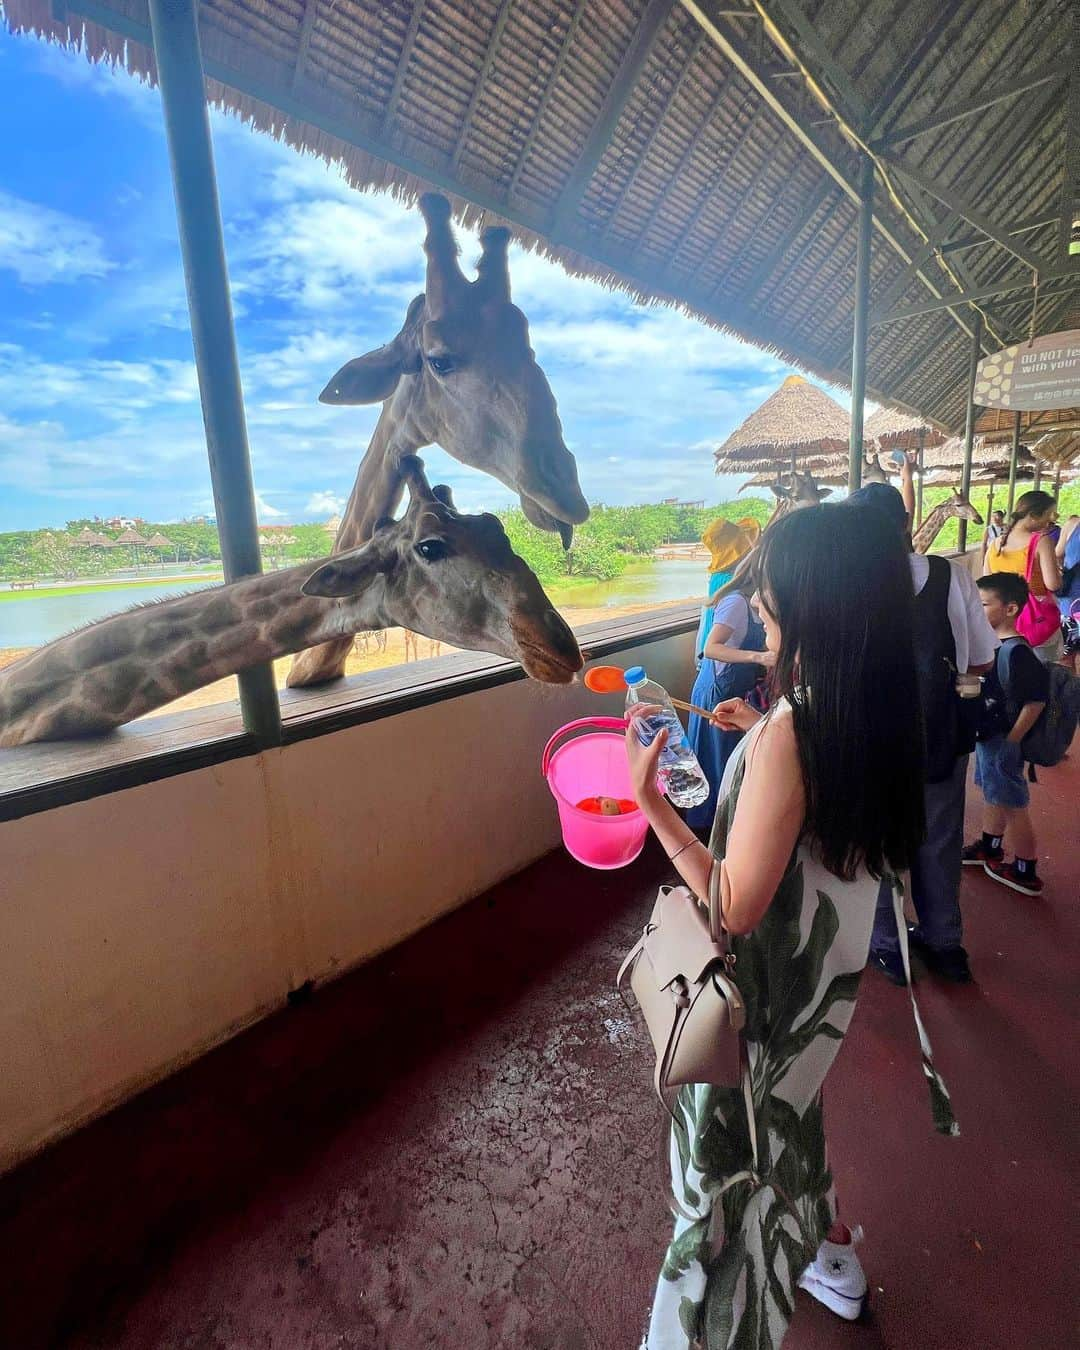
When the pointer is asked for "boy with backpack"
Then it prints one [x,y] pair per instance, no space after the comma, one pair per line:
[1017,688]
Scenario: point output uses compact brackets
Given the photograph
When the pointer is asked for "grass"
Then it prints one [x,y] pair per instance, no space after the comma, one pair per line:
[99,588]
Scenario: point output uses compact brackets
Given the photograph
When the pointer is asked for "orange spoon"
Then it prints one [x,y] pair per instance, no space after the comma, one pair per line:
[610,680]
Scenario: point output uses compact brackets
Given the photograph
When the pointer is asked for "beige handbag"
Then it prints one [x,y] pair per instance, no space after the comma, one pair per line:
[680,970]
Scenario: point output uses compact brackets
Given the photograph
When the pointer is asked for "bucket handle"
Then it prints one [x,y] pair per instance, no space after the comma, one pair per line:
[604,723]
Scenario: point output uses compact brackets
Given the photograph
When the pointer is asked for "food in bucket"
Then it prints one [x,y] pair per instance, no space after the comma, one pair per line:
[607,806]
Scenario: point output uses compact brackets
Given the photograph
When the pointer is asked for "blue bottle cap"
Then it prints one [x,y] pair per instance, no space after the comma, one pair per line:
[635,675]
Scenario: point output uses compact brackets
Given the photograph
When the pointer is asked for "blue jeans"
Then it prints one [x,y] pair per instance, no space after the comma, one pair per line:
[935,871]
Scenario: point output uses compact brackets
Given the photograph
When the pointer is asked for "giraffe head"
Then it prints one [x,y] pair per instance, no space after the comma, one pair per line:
[959,506]
[463,373]
[456,579]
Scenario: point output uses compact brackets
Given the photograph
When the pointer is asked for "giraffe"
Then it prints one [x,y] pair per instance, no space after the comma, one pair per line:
[461,373]
[956,505]
[449,576]
[798,491]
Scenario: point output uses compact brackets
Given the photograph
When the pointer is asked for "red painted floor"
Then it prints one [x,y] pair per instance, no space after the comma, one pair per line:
[456,1147]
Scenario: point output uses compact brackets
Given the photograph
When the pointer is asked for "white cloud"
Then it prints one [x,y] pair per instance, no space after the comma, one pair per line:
[324,504]
[41,245]
[264,510]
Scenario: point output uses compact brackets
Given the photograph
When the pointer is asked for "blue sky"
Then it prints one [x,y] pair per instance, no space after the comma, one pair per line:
[99,410]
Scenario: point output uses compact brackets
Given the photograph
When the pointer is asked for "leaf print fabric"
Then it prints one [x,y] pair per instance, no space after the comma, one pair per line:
[728,1279]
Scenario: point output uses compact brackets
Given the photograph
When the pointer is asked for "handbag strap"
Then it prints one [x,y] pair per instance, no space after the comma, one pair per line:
[717,931]
[940,1102]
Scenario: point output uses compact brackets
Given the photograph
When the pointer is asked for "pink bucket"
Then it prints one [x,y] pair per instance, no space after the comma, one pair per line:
[594,766]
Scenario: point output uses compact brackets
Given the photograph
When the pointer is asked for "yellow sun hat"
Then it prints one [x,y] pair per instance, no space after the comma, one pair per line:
[729,541]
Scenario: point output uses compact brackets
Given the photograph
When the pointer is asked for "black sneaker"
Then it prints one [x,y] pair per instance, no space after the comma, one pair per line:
[977,854]
[890,964]
[951,963]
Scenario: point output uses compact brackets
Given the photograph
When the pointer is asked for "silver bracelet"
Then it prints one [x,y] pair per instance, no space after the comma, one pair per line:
[673,856]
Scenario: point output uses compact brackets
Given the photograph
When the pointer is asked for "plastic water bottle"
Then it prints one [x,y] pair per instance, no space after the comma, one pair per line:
[679,770]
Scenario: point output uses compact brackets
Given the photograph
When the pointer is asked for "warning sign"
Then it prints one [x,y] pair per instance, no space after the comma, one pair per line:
[1032,375]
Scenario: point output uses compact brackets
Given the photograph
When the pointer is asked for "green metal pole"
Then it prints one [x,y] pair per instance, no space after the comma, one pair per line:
[969,425]
[1013,456]
[202,246]
[919,483]
[861,322]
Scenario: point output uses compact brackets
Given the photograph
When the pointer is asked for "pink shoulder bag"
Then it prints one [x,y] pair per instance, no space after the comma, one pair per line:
[1040,618]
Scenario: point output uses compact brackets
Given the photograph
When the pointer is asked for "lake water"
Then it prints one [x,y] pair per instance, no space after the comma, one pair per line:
[32,620]
[659,582]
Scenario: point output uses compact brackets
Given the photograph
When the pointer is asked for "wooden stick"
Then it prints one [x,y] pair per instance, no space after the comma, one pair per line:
[692,707]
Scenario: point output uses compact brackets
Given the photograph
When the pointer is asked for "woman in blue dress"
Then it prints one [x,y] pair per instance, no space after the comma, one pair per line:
[728,542]
[733,658]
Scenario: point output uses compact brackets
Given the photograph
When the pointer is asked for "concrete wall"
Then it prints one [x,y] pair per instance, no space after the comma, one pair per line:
[143,927]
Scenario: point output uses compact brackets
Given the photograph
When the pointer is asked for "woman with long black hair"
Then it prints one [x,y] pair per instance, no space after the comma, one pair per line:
[821,799]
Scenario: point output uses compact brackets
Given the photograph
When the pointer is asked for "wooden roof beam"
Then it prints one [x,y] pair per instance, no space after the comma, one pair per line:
[956,112]
[490,53]
[776,255]
[307,25]
[973,216]
[731,45]
[403,64]
[1017,227]
[978,293]
[545,98]
[614,105]
[676,89]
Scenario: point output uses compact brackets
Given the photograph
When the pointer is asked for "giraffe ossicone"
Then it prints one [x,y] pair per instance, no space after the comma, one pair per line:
[450,576]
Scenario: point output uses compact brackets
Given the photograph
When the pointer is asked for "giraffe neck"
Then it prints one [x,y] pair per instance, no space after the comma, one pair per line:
[100,677]
[928,531]
[379,486]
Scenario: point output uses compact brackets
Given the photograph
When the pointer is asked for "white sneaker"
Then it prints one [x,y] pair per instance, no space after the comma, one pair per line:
[836,1278]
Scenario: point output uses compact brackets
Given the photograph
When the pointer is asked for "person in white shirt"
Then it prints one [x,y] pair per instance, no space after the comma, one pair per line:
[953,639]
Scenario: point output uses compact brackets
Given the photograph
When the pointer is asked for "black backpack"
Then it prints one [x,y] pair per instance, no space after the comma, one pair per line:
[1048,741]
[949,722]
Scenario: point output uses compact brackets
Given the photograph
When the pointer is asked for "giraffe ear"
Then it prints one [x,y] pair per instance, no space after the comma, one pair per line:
[347,573]
[374,377]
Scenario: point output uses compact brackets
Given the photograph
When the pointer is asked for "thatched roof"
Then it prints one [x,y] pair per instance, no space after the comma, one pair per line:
[686,153]
[985,456]
[158,540]
[1059,447]
[798,421]
[997,425]
[131,537]
[892,429]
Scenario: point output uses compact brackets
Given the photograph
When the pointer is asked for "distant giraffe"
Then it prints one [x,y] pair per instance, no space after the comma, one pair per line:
[928,531]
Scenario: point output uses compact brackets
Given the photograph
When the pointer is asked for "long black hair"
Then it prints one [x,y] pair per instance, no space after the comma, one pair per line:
[838,582]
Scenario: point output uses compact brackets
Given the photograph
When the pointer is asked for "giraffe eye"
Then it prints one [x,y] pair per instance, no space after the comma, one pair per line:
[433,550]
[441,365]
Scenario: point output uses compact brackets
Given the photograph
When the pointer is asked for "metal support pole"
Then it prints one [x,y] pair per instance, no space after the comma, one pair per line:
[861,322]
[1057,482]
[969,425]
[919,481]
[1013,456]
[1037,484]
[187,126]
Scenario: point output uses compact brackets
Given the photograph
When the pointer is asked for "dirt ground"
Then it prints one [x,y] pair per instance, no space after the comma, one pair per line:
[365,655]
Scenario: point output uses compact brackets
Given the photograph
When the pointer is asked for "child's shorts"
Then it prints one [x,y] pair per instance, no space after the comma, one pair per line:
[999,773]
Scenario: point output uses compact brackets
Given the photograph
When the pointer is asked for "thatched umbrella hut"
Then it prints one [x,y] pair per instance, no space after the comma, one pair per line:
[158,541]
[134,539]
[989,464]
[87,538]
[797,427]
